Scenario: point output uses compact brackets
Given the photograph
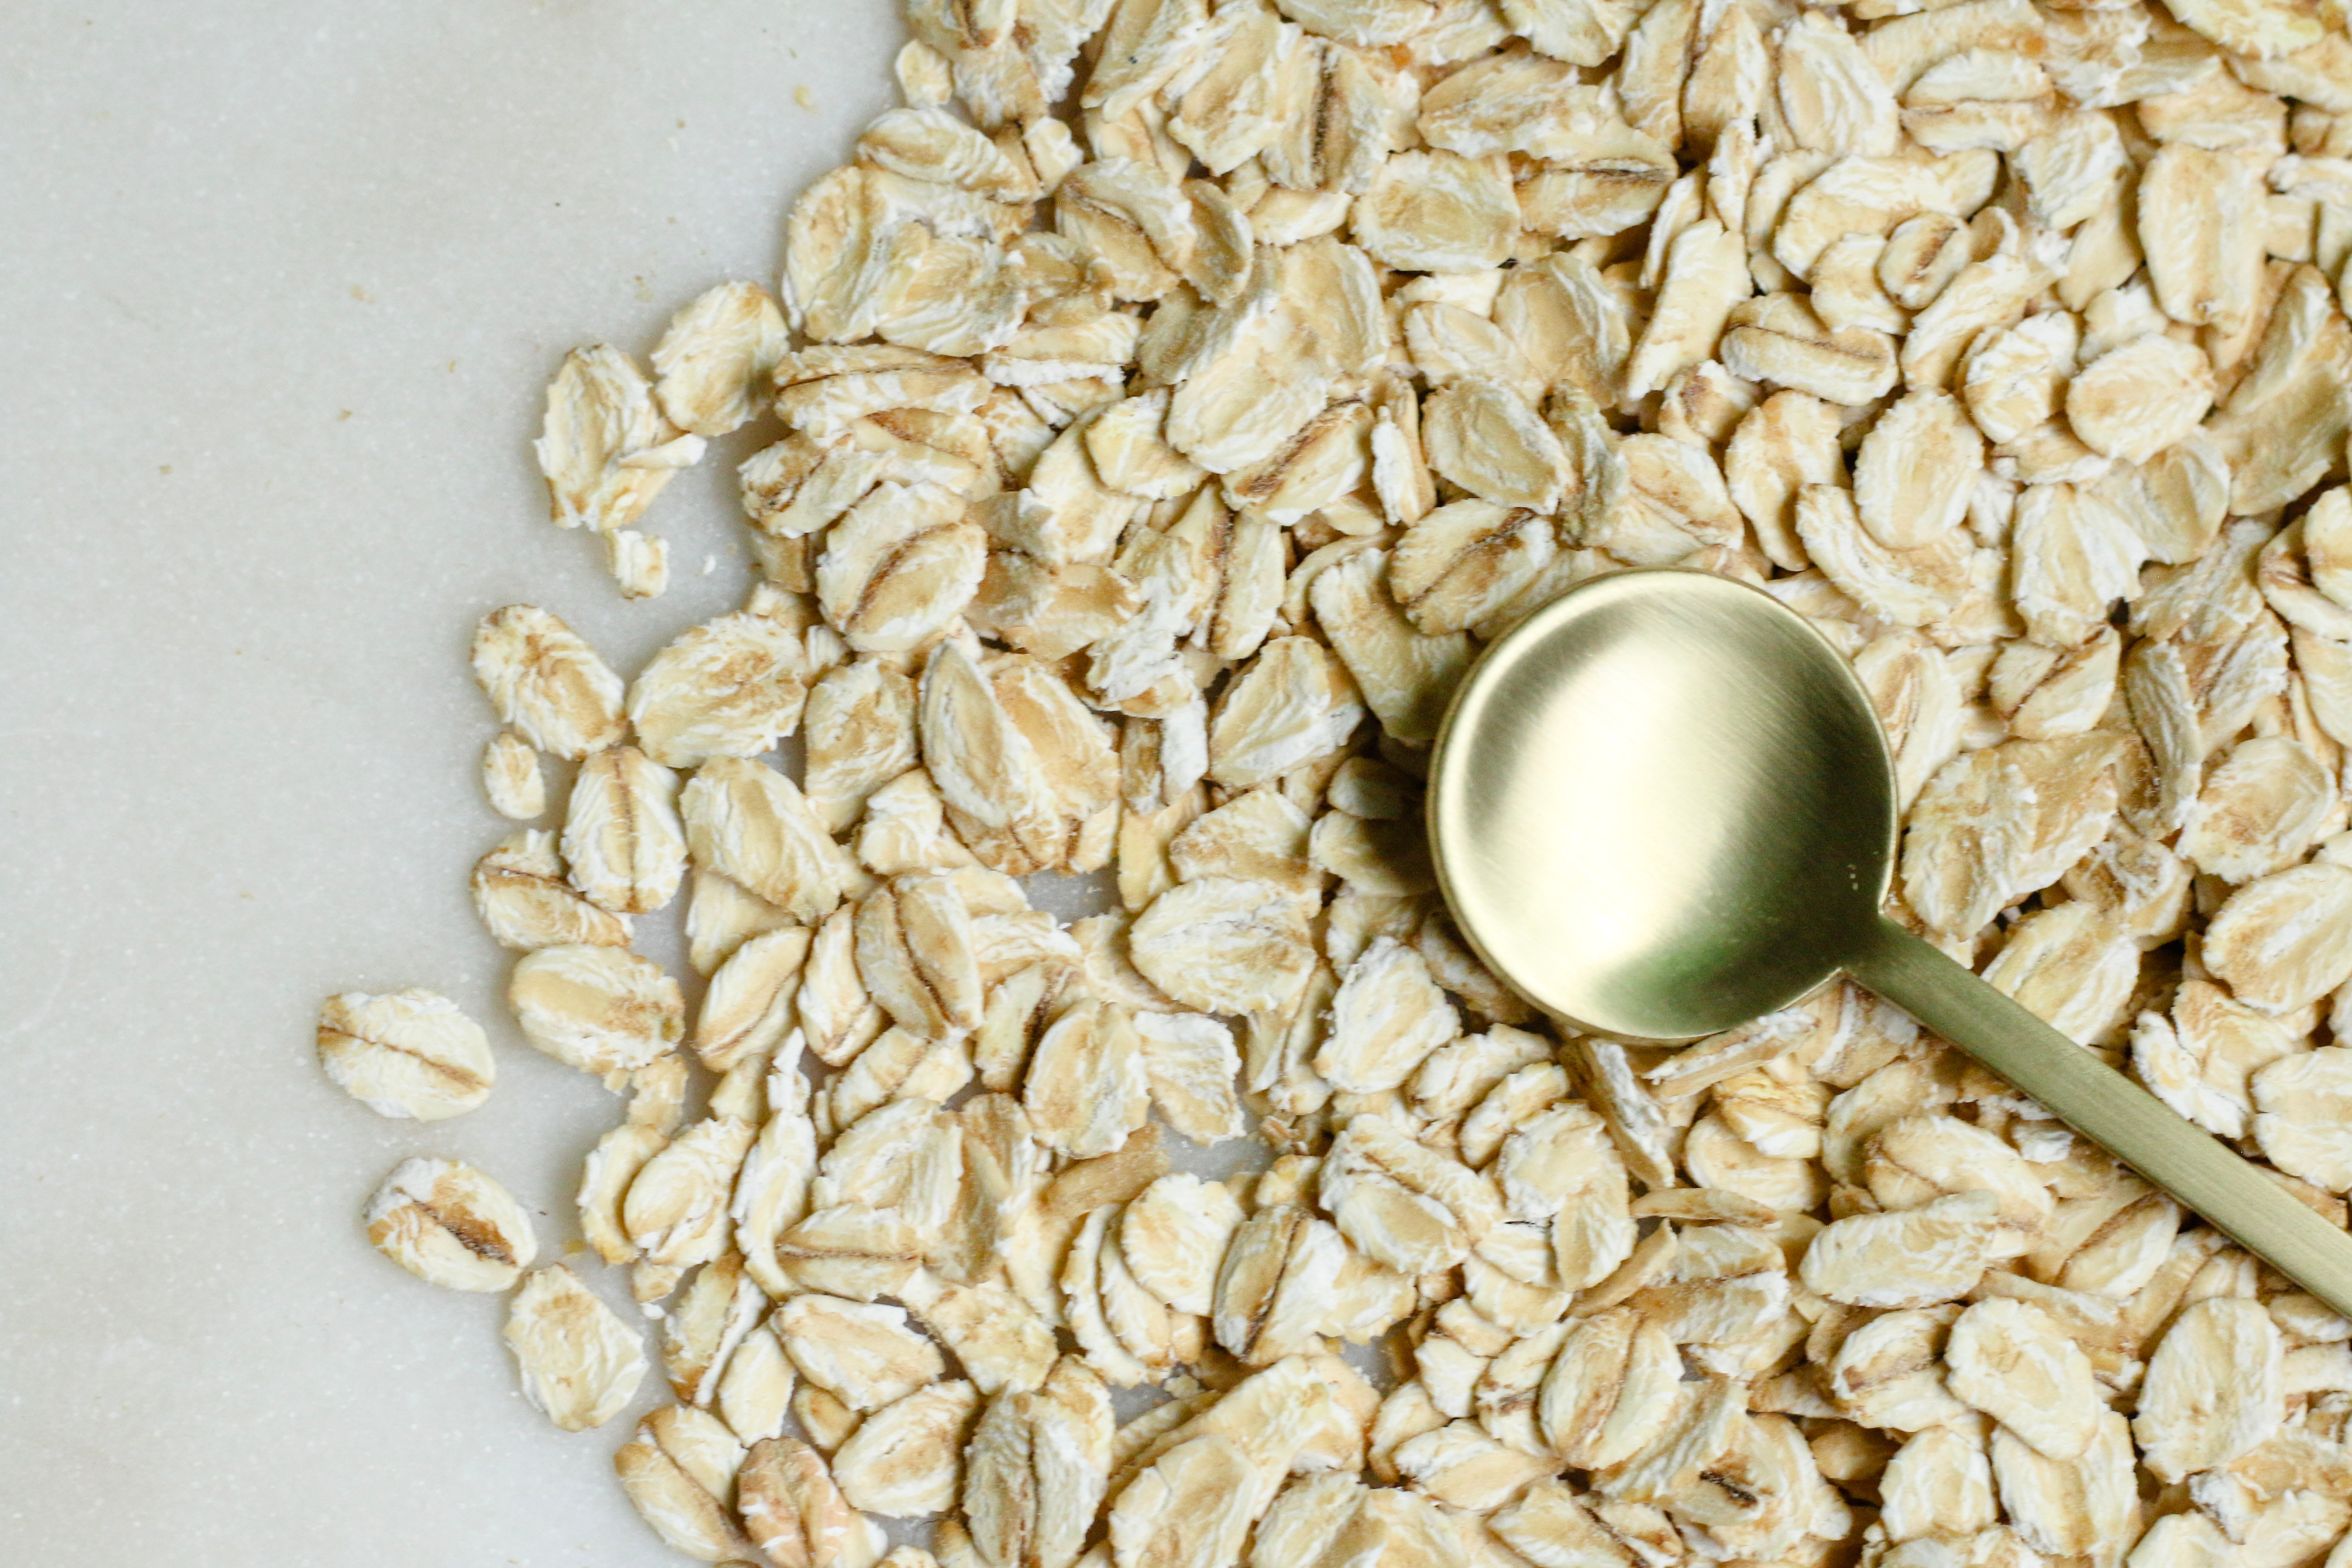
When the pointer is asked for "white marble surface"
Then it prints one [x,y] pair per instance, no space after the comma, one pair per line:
[279,286]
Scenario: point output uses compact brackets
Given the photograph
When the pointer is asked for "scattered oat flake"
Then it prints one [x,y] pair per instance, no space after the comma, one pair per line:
[449,1223]
[579,1362]
[408,1054]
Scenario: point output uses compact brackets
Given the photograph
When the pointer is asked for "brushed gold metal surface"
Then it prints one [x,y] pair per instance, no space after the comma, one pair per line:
[1661,806]
[2110,1109]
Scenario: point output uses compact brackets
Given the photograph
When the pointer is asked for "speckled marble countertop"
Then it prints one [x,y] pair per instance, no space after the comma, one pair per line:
[281,286]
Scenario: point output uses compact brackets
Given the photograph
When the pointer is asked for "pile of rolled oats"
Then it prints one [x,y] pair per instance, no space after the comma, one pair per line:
[1173,400]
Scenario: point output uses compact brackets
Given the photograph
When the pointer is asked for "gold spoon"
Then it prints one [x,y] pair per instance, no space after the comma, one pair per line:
[1662,807]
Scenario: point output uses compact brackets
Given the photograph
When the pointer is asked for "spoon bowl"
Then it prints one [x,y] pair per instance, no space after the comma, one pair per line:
[1661,806]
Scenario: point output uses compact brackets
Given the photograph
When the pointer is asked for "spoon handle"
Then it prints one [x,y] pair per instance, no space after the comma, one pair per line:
[2109,1109]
